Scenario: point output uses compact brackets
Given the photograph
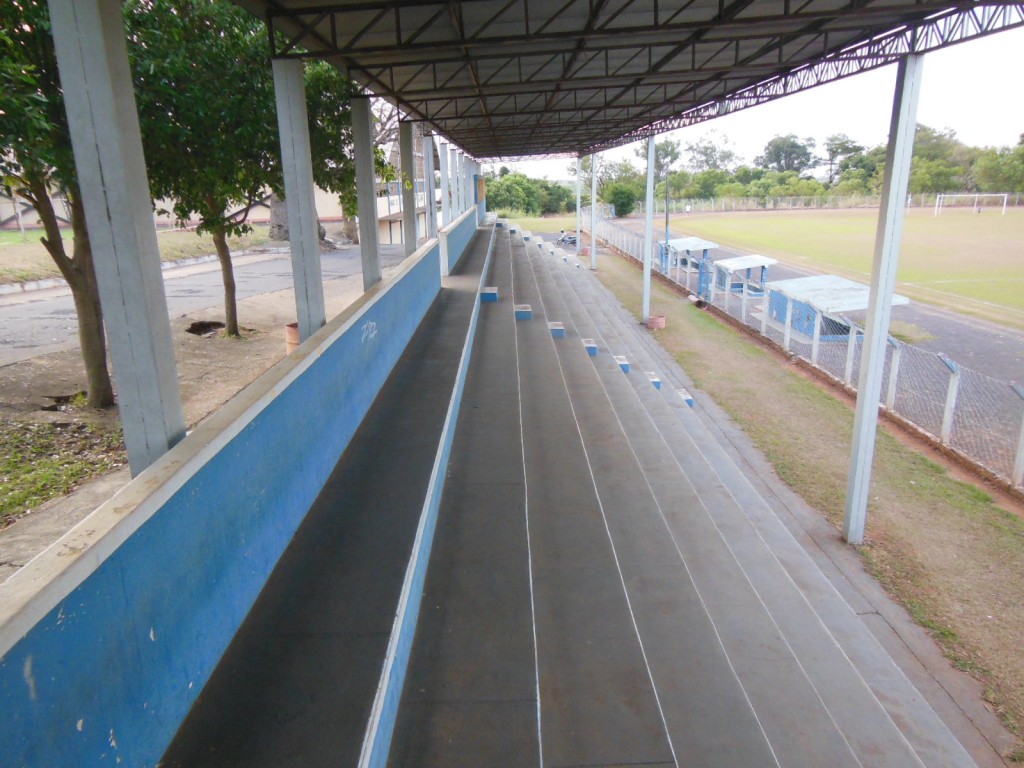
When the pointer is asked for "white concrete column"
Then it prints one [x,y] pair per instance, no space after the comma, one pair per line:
[366,195]
[429,190]
[457,185]
[460,186]
[579,200]
[408,182]
[456,189]
[443,157]
[100,104]
[297,169]
[463,186]
[593,211]
[883,281]
[648,229]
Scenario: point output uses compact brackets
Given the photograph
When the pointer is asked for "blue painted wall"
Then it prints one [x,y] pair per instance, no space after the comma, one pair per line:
[400,648]
[109,674]
[459,237]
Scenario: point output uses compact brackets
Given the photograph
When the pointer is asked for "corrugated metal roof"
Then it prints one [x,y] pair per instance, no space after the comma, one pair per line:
[510,78]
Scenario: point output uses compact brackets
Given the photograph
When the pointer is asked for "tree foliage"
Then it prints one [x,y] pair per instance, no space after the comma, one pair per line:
[205,94]
[711,152]
[788,153]
[838,147]
[666,154]
[36,160]
[622,197]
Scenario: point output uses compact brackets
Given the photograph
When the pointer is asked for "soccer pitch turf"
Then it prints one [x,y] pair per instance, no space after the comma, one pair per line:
[971,262]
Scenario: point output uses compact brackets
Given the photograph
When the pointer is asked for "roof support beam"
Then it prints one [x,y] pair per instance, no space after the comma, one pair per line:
[366,190]
[648,229]
[883,282]
[406,160]
[297,167]
[99,99]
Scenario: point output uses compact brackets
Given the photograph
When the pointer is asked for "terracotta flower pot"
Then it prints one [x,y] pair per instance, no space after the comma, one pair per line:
[291,337]
[656,322]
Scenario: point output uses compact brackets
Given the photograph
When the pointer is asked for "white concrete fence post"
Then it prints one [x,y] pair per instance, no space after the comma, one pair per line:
[894,373]
[1018,464]
[951,393]
[816,339]
[851,350]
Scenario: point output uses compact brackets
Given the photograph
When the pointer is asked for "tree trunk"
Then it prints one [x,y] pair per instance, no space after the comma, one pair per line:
[220,240]
[278,218]
[80,274]
[351,229]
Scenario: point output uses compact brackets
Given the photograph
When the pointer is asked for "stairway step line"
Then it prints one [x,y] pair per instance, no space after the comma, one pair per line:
[924,730]
[742,574]
[779,569]
[615,556]
[526,512]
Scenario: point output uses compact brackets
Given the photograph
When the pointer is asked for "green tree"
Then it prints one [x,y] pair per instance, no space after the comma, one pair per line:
[711,152]
[555,197]
[515,192]
[36,159]
[586,165]
[623,172]
[666,154]
[622,197]
[210,144]
[703,184]
[838,147]
[212,147]
[934,176]
[1000,170]
[788,153]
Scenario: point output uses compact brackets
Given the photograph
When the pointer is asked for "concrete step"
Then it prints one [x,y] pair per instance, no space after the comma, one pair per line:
[782,562]
[785,703]
[597,703]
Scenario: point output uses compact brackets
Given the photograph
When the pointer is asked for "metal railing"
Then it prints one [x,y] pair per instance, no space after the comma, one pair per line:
[979,417]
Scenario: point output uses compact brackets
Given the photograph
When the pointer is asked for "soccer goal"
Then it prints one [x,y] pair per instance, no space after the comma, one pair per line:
[975,200]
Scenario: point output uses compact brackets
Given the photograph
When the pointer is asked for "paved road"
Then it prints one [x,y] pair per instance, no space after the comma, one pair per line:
[985,347]
[39,322]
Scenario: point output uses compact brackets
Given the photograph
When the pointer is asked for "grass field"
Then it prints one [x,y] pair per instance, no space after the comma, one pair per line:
[973,263]
[24,259]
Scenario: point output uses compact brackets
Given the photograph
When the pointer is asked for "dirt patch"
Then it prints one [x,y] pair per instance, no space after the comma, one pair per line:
[56,444]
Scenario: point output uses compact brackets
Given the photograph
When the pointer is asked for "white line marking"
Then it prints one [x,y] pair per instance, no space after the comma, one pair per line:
[786,574]
[526,510]
[611,542]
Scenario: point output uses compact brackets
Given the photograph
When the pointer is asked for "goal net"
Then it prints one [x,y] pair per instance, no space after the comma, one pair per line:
[973,201]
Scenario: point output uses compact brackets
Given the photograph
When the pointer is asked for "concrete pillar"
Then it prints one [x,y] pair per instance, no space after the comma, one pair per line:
[408,168]
[648,230]
[460,187]
[883,281]
[593,211]
[100,103]
[456,188]
[429,190]
[579,200]
[297,168]
[366,196]
[446,203]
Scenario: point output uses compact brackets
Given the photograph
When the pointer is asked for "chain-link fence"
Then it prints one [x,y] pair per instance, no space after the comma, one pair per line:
[980,417]
[782,203]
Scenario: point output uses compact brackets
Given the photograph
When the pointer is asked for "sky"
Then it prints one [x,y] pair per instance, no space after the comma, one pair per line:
[973,87]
